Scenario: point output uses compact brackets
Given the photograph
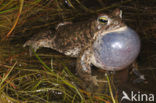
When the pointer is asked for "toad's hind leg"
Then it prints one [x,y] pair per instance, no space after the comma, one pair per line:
[42,39]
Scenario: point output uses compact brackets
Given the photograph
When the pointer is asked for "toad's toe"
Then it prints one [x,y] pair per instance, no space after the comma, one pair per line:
[32,46]
[96,81]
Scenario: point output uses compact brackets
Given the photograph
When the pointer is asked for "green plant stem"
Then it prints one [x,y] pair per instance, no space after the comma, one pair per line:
[110,89]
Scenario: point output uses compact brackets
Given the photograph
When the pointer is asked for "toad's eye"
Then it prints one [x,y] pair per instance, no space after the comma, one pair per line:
[103,19]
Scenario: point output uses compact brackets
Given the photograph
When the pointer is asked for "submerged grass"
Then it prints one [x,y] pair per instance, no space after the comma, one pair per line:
[5,76]
[69,83]
[18,16]
[47,85]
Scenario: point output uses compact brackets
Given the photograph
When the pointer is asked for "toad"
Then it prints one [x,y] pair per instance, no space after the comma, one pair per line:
[105,42]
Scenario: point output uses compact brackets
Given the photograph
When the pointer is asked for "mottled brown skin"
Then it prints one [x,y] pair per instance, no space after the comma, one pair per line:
[81,36]
[66,37]
[71,36]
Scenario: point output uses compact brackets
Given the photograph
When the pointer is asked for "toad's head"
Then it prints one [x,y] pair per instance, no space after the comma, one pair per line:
[116,45]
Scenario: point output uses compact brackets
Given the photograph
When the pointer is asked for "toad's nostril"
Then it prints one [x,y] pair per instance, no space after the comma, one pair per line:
[117,49]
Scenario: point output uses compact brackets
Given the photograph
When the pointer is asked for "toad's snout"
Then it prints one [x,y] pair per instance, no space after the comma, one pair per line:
[117,49]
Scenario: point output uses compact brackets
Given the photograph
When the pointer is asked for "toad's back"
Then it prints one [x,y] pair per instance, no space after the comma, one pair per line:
[68,38]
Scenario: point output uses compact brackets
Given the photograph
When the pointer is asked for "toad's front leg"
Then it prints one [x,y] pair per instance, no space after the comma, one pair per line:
[84,67]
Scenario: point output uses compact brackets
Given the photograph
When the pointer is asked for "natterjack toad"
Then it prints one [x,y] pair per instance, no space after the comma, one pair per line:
[105,42]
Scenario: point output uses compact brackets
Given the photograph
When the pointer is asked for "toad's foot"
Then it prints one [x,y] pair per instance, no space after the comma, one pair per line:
[40,40]
[140,77]
[32,46]
[96,81]
[89,79]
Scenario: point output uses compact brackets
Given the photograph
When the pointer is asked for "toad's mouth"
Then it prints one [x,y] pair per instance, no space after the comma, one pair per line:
[117,49]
